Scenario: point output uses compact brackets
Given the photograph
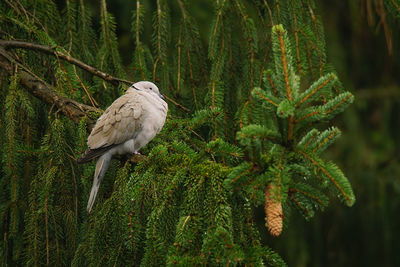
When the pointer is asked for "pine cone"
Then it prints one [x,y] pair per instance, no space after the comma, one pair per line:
[273,212]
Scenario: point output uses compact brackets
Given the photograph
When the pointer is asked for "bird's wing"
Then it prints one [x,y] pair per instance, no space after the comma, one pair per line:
[118,123]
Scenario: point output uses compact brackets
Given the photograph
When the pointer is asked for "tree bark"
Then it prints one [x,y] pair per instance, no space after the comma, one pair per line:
[44,91]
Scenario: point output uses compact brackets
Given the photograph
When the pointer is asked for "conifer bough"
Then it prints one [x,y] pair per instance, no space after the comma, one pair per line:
[284,147]
[42,90]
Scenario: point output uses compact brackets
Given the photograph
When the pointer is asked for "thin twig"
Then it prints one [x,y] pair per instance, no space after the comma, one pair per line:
[176,103]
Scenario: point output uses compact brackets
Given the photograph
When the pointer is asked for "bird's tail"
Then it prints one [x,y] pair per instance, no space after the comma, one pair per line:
[101,167]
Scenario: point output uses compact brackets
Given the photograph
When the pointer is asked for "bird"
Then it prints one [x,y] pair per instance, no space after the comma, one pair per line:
[127,125]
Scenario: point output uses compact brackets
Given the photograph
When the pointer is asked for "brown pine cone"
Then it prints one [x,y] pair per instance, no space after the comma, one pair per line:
[273,212]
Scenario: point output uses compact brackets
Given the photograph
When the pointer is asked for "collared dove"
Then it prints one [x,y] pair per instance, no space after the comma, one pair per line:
[125,127]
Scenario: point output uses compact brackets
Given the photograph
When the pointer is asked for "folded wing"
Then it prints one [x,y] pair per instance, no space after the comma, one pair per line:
[118,124]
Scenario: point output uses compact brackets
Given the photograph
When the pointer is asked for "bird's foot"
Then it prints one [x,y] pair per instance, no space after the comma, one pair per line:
[136,158]
[137,153]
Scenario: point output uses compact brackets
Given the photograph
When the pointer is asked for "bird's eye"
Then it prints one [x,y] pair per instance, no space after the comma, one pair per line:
[151,88]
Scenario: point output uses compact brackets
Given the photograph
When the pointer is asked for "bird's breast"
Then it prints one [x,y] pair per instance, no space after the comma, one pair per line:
[156,118]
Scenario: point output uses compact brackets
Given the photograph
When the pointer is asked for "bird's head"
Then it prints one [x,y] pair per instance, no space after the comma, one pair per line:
[147,87]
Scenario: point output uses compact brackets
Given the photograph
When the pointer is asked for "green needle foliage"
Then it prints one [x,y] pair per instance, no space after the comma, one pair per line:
[283,146]
[250,96]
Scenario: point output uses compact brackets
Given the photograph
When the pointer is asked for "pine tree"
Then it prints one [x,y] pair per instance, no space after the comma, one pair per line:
[249,118]
[283,151]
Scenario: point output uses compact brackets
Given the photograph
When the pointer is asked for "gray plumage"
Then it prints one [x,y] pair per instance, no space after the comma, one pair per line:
[127,125]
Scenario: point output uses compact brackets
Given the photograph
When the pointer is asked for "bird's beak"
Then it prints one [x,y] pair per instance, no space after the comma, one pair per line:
[161,96]
[135,88]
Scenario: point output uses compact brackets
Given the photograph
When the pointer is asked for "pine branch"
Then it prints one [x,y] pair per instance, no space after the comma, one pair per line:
[279,34]
[335,176]
[283,61]
[258,92]
[317,197]
[328,80]
[44,91]
[53,51]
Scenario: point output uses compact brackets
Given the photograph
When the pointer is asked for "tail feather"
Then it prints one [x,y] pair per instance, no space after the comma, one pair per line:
[91,154]
[101,167]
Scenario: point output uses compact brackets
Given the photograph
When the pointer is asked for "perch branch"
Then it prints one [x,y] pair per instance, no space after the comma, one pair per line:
[44,91]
